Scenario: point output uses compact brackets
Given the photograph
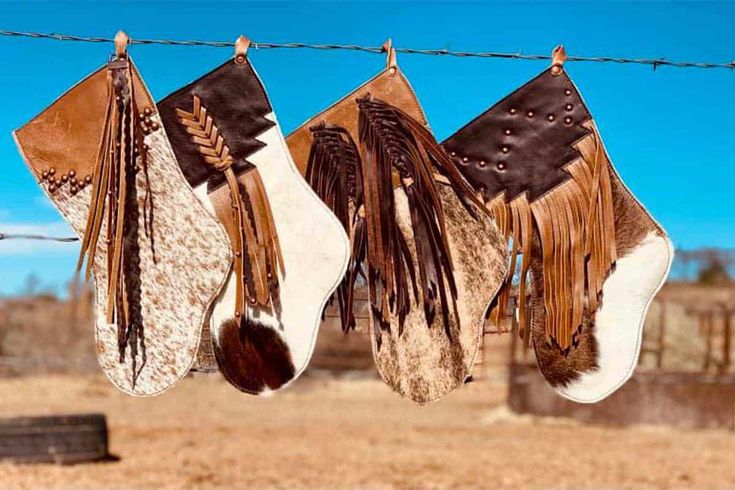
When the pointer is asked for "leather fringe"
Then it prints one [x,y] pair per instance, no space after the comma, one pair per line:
[394,142]
[576,230]
[334,171]
[121,154]
[258,258]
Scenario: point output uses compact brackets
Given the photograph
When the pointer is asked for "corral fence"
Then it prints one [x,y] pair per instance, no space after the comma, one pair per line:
[685,376]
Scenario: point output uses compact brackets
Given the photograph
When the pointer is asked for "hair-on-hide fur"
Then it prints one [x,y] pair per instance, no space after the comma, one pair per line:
[632,224]
[423,363]
[252,356]
[177,289]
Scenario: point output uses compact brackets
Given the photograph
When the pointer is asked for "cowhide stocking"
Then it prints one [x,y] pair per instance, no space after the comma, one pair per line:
[158,258]
[290,252]
[433,262]
[592,257]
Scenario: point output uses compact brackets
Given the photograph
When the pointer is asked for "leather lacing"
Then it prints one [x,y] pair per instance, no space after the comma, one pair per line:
[398,151]
[121,155]
[334,171]
[258,258]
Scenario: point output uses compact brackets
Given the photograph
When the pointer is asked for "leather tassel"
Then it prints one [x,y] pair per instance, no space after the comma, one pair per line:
[114,193]
[575,227]
[258,259]
[334,171]
[395,143]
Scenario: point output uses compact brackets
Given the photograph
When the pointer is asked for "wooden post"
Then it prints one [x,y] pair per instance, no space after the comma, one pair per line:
[661,334]
[725,366]
[705,319]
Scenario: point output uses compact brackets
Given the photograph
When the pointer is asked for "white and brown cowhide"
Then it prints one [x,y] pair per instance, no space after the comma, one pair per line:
[423,363]
[595,257]
[272,345]
[191,249]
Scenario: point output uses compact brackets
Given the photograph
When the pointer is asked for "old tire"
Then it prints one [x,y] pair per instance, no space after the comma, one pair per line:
[65,439]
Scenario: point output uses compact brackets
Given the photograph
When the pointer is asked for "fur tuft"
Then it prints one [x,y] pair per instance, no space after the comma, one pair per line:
[252,356]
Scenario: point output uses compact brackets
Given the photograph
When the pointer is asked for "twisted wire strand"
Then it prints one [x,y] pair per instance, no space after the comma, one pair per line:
[653,62]
[31,236]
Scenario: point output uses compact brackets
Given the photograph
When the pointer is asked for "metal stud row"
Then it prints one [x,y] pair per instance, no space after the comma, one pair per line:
[146,124]
[483,163]
[56,182]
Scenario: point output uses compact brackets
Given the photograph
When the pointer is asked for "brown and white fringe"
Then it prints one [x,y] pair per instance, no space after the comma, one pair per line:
[576,230]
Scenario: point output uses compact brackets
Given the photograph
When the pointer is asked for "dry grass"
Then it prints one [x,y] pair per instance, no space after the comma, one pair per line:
[353,434]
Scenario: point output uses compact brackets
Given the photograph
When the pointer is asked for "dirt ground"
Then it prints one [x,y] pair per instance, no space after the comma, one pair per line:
[353,433]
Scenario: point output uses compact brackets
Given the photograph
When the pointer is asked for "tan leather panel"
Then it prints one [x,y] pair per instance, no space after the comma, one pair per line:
[393,87]
[66,135]
[222,203]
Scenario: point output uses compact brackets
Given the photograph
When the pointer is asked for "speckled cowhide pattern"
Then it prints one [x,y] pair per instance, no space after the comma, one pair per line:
[191,249]
[270,346]
[423,363]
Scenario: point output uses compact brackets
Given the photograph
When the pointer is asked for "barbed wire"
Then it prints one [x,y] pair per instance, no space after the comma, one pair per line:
[653,62]
[32,236]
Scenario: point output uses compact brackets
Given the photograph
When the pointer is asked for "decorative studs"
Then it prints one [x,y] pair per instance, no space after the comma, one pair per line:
[512,111]
[88,179]
[500,166]
[454,153]
[568,107]
[237,314]
[73,181]
[567,92]
[237,254]
[465,159]
[482,163]
[507,132]
[530,114]
[253,301]
[147,111]
[64,178]
[74,189]
[72,173]
[504,149]
[550,117]
[52,188]
[44,175]
[52,171]
[568,120]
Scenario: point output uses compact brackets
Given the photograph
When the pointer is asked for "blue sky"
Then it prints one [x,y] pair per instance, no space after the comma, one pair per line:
[669,132]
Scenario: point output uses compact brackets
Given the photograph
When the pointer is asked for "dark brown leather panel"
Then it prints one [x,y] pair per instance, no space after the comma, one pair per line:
[523,142]
[236,87]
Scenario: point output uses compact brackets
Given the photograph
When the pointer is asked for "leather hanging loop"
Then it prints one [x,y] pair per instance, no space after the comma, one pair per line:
[241,49]
[390,64]
[121,44]
[558,57]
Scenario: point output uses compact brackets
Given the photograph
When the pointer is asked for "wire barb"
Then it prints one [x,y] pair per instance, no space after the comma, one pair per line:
[655,63]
